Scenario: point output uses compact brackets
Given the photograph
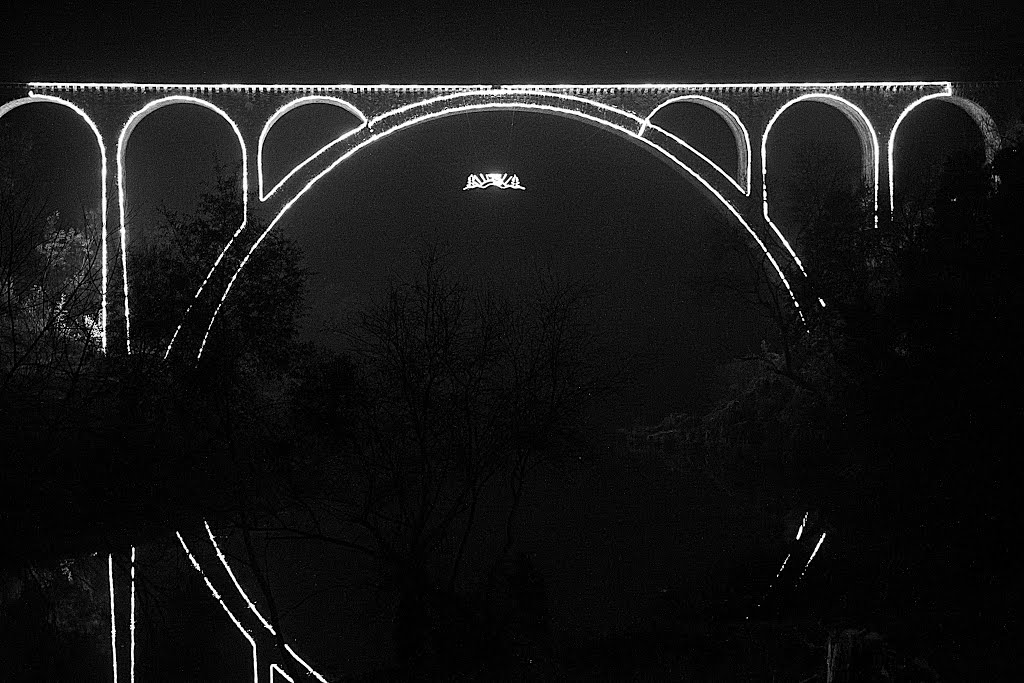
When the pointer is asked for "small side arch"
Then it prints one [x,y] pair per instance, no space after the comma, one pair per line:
[294,104]
[34,98]
[868,145]
[122,146]
[739,131]
[989,132]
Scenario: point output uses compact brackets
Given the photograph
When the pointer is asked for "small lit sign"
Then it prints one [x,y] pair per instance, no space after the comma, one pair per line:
[502,181]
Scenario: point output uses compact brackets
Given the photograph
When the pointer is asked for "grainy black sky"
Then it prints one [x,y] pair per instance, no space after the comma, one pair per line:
[501,42]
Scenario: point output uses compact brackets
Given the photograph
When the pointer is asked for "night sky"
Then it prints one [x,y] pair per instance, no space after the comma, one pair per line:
[596,208]
[488,42]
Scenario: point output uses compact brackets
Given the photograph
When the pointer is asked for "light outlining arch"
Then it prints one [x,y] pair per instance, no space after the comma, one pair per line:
[122,146]
[245,633]
[131,667]
[631,134]
[275,670]
[739,132]
[295,104]
[507,90]
[34,98]
[234,580]
[981,118]
[238,624]
[869,153]
[113,613]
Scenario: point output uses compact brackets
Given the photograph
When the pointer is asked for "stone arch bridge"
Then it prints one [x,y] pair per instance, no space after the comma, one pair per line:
[742,192]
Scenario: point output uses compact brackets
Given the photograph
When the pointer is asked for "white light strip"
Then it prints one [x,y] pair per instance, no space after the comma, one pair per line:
[252,607]
[216,595]
[132,647]
[861,123]
[892,141]
[772,583]
[307,667]
[730,117]
[413,87]
[702,86]
[33,97]
[512,105]
[311,99]
[800,531]
[224,561]
[501,105]
[779,573]
[820,541]
[297,87]
[113,617]
[725,174]
[122,143]
[275,669]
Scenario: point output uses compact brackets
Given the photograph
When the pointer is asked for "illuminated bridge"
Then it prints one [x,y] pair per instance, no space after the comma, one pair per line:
[742,191]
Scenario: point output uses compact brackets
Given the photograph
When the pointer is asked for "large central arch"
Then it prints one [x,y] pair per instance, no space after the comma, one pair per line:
[715,183]
[725,193]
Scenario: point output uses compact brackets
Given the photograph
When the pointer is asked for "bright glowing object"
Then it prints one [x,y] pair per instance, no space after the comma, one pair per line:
[777,575]
[811,558]
[276,670]
[502,181]
[132,628]
[800,531]
[301,661]
[113,617]
[238,586]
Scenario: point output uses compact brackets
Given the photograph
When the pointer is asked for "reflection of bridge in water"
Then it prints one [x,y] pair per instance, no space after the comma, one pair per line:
[742,192]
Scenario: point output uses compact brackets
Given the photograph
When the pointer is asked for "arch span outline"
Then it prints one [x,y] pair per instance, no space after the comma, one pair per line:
[34,98]
[869,154]
[122,195]
[295,104]
[520,100]
[731,118]
[986,126]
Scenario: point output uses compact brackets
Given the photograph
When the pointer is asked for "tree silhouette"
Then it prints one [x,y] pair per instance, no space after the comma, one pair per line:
[448,397]
[887,411]
[103,452]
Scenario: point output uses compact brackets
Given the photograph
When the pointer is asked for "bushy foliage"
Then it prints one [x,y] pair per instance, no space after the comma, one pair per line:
[888,412]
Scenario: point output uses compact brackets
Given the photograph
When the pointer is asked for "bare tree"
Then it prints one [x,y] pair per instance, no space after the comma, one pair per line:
[50,273]
[449,395]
